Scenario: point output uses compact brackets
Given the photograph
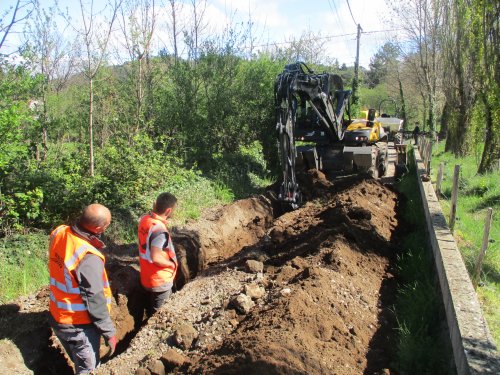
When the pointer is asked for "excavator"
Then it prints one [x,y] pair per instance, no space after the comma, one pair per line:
[315,130]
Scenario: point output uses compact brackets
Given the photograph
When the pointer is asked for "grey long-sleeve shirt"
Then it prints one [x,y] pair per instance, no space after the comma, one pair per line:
[89,276]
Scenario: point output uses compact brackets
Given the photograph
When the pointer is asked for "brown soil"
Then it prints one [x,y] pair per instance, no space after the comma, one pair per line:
[328,288]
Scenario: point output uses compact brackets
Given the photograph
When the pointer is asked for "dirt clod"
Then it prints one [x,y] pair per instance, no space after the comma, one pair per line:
[242,304]
[254,266]
[254,291]
[172,359]
[157,368]
[184,336]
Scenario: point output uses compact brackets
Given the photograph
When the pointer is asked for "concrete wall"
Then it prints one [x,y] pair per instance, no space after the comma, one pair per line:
[473,348]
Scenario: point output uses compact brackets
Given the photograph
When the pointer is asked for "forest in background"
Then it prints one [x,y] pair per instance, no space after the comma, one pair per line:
[197,116]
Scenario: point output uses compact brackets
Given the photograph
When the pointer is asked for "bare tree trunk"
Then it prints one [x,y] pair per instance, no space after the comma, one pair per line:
[491,152]
[490,67]
[95,37]
[403,103]
[174,29]
[445,118]
[91,125]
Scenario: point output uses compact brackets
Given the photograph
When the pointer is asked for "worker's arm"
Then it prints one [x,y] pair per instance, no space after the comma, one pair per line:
[158,255]
[89,275]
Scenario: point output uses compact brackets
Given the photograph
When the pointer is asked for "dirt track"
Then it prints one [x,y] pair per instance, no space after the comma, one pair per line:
[322,305]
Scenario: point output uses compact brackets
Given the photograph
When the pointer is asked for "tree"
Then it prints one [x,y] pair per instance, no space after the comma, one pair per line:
[12,16]
[421,21]
[309,48]
[138,24]
[379,63]
[460,91]
[195,32]
[95,35]
[52,56]
[486,28]
[174,25]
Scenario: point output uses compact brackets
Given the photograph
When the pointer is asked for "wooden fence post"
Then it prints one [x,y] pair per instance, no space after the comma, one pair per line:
[454,196]
[429,157]
[486,236]
[439,179]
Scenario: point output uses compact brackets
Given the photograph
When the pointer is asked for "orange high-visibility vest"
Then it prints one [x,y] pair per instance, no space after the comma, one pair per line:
[66,252]
[151,274]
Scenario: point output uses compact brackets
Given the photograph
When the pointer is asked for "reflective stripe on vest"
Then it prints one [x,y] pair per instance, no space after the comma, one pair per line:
[66,304]
[71,306]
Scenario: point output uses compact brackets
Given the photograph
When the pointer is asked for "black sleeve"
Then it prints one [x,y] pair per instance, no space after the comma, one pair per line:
[89,275]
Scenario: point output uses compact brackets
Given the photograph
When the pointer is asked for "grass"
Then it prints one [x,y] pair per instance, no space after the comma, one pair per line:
[420,344]
[23,265]
[476,193]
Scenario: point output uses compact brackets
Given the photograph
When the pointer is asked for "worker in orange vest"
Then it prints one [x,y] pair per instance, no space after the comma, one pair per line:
[156,252]
[80,296]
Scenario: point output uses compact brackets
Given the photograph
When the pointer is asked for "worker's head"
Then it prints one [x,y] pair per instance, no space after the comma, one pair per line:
[165,205]
[95,218]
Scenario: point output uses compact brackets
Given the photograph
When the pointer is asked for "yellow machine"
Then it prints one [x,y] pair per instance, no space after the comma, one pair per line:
[365,131]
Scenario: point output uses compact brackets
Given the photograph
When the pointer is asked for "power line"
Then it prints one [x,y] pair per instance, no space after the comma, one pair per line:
[336,14]
[350,11]
[327,37]
[332,7]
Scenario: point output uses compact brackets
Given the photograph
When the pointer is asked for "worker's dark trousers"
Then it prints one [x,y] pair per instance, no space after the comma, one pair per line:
[156,300]
[82,345]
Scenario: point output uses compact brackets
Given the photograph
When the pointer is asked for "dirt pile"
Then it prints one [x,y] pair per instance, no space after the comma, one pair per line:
[320,304]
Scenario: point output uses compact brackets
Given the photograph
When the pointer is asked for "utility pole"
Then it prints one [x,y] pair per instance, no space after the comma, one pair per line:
[355,81]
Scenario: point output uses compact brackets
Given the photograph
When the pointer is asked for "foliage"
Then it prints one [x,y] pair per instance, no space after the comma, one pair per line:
[380,64]
[17,87]
[371,97]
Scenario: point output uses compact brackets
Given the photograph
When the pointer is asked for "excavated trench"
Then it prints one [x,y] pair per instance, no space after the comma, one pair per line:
[250,224]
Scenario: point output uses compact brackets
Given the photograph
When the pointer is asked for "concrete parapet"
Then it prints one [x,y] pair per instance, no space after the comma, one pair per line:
[474,350]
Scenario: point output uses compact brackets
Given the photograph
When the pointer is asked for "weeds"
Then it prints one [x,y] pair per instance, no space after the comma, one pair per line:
[420,346]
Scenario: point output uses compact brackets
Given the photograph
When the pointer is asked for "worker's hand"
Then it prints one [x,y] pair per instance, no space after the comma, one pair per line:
[111,342]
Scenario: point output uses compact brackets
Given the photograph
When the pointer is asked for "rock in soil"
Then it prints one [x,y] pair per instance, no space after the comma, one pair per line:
[184,336]
[157,368]
[254,291]
[254,266]
[172,359]
[242,304]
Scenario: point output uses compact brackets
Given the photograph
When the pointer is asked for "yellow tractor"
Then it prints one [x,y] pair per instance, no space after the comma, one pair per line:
[365,131]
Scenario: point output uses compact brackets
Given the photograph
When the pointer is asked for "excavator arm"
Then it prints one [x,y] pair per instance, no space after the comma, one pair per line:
[309,108]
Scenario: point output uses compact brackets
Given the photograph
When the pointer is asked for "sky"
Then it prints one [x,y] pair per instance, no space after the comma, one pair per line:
[279,21]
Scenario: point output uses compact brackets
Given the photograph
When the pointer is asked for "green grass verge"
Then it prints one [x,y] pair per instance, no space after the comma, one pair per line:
[421,347]
[23,265]
[476,194]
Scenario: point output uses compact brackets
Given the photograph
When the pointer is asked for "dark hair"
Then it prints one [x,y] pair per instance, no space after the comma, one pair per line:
[164,201]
